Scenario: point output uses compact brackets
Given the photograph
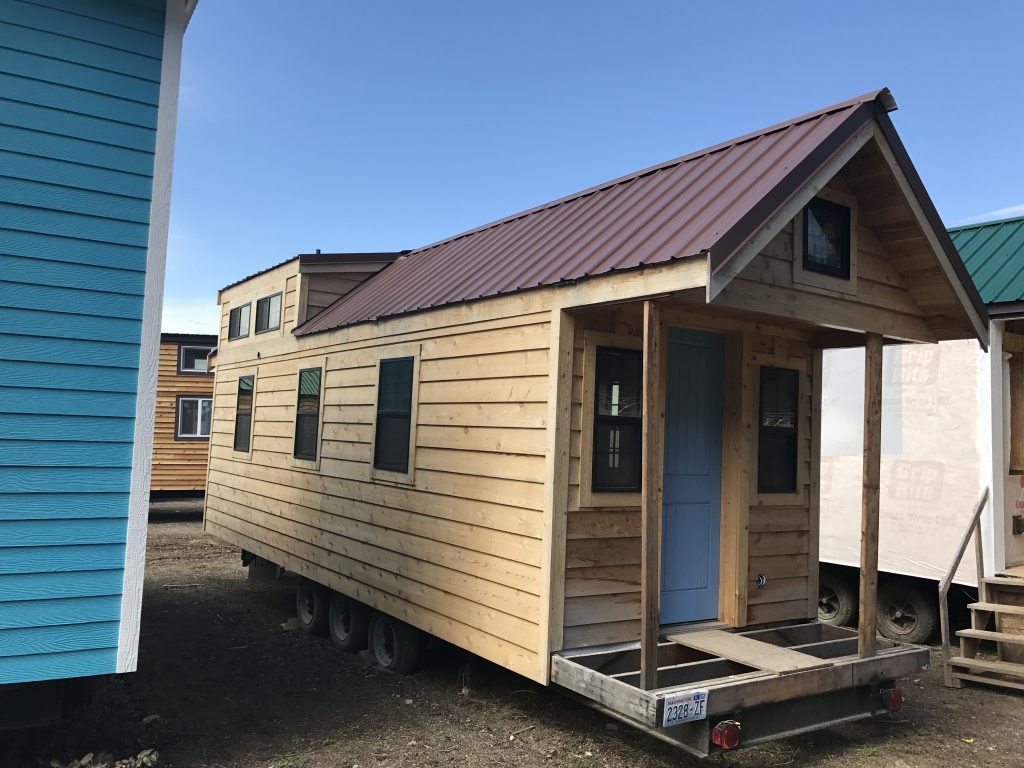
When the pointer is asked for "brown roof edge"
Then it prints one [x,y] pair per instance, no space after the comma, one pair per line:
[928,207]
[189,338]
[323,258]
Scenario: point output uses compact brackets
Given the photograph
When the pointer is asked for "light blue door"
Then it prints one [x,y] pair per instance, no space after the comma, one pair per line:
[693,477]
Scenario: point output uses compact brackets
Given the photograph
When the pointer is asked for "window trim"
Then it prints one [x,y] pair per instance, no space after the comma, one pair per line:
[801,497]
[821,282]
[248,325]
[252,414]
[178,437]
[843,271]
[192,371]
[303,461]
[395,353]
[598,419]
[280,313]
[587,497]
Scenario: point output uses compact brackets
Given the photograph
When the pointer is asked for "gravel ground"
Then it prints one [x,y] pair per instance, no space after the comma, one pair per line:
[225,683]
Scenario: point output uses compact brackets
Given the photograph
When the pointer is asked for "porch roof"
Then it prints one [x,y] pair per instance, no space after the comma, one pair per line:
[711,201]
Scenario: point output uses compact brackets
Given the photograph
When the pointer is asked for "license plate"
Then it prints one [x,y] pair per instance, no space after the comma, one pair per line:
[685,707]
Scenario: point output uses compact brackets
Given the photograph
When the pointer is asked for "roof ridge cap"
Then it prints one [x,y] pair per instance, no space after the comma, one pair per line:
[991,223]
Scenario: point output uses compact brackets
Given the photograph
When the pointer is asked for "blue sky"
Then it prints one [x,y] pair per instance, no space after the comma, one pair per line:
[353,126]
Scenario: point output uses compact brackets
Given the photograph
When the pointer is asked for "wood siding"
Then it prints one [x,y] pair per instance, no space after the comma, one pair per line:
[456,552]
[178,465]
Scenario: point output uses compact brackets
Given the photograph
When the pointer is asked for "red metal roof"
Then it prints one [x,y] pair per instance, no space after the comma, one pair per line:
[712,200]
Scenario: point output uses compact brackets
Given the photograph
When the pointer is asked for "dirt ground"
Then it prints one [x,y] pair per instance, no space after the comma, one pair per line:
[223,682]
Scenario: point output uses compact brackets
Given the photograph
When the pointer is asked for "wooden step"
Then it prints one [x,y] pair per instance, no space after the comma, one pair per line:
[997,608]
[983,665]
[997,637]
[989,680]
[1004,581]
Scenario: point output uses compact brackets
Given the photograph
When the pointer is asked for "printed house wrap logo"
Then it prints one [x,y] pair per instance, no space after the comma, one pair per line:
[916,481]
[915,365]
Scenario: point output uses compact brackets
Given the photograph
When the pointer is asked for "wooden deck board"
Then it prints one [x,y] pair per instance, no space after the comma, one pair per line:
[753,653]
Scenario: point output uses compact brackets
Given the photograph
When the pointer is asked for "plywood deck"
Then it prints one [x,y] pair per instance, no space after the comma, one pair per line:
[746,650]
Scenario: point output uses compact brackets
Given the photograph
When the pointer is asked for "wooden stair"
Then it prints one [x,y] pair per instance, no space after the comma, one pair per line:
[997,617]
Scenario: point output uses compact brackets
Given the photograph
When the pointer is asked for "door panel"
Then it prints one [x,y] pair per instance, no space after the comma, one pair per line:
[693,477]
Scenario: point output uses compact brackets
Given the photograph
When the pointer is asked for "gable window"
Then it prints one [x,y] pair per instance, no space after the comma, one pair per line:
[394,415]
[307,414]
[268,313]
[777,430]
[618,403]
[193,359]
[238,322]
[192,421]
[826,238]
[243,413]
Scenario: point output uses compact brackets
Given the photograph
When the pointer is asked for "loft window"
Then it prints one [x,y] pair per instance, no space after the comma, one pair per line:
[268,313]
[777,430]
[243,413]
[827,238]
[238,322]
[618,406]
[193,359]
[307,414]
[193,418]
[394,415]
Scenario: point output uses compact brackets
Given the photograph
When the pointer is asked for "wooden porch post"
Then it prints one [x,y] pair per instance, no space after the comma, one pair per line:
[866,629]
[651,471]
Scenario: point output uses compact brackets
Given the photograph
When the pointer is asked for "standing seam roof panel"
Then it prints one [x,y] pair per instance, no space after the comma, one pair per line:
[993,253]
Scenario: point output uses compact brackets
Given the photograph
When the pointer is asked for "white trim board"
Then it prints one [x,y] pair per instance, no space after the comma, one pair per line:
[176,19]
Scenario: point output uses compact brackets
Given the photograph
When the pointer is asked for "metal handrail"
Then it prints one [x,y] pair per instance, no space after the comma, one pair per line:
[974,529]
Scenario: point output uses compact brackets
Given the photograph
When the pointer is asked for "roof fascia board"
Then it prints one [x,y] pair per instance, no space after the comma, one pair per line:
[1006,310]
[717,281]
[931,225]
[342,268]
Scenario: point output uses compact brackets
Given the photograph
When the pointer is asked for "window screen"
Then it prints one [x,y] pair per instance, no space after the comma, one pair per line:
[618,403]
[238,322]
[394,415]
[268,313]
[307,414]
[777,433]
[243,413]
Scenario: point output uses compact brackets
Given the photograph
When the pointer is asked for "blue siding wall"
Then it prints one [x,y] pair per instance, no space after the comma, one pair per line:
[79,87]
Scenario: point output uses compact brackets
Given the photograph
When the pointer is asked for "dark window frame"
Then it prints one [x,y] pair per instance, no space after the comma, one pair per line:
[231,314]
[280,310]
[305,416]
[248,414]
[177,417]
[779,437]
[385,464]
[192,371]
[844,270]
[633,421]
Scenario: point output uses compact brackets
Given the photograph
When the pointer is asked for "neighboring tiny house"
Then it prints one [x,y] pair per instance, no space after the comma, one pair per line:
[184,410]
[582,441]
[90,92]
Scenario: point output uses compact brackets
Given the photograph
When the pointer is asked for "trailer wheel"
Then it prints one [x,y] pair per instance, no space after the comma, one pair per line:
[349,621]
[837,603]
[394,644]
[312,606]
[905,613]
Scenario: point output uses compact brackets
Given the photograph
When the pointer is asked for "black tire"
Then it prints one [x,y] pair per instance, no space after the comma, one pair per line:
[312,607]
[349,623]
[906,613]
[394,644]
[837,602]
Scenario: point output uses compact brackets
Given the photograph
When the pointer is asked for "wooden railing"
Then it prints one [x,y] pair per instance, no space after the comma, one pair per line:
[974,529]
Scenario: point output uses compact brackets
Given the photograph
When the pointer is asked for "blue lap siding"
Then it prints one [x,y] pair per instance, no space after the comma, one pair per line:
[79,91]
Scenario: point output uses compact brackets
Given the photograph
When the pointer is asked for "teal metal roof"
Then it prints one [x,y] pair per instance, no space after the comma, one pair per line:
[993,253]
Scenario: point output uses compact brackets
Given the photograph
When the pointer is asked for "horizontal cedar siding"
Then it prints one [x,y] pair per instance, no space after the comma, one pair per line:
[178,465]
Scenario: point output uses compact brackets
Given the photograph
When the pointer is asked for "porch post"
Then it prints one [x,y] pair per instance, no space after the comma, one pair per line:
[651,471]
[866,629]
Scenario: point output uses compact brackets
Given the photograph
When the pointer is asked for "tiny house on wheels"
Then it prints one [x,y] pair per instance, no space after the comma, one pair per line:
[184,413]
[583,441]
[90,93]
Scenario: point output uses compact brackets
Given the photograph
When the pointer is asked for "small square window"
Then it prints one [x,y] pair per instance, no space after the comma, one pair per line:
[193,359]
[238,322]
[268,313]
[618,406]
[193,419]
[777,430]
[827,238]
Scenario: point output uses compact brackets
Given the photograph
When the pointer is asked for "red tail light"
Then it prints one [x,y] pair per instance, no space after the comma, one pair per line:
[726,734]
[892,699]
